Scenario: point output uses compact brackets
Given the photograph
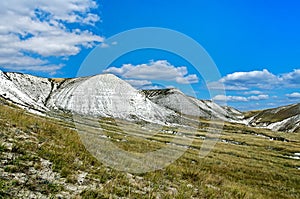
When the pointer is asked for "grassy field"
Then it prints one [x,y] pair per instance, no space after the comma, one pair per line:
[245,163]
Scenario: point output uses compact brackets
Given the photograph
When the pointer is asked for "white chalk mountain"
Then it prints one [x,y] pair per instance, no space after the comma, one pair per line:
[27,91]
[101,95]
[177,101]
[106,95]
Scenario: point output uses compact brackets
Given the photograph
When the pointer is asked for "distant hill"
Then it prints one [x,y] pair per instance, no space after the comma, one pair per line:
[177,101]
[285,118]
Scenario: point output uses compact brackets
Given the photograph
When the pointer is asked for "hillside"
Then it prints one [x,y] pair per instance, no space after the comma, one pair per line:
[285,118]
[175,100]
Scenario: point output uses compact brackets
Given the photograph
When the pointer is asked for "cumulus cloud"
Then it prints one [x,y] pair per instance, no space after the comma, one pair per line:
[251,76]
[258,97]
[294,95]
[138,83]
[291,79]
[257,80]
[33,30]
[145,84]
[190,79]
[230,98]
[104,45]
[155,70]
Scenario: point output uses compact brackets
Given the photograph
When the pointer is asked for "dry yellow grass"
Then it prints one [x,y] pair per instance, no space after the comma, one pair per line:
[247,164]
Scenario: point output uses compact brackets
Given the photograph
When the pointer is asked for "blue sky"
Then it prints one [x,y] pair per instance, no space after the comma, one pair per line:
[255,44]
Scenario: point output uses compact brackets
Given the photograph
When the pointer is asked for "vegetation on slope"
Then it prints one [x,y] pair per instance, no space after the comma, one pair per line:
[43,157]
[275,114]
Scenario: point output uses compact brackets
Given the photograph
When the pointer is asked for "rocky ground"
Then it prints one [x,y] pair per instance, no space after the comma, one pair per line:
[24,174]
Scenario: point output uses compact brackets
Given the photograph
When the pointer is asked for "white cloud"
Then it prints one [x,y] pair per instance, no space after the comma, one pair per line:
[258,97]
[249,76]
[138,83]
[104,45]
[155,70]
[145,84]
[230,98]
[64,44]
[291,79]
[190,79]
[37,28]
[294,95]
[51,69]
[257,80]
[16,60]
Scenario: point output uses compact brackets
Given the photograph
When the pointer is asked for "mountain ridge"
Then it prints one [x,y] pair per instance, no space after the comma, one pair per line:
[283,118]
[106,95]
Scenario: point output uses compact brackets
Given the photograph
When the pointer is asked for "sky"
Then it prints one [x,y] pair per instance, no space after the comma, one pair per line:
[255,44]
